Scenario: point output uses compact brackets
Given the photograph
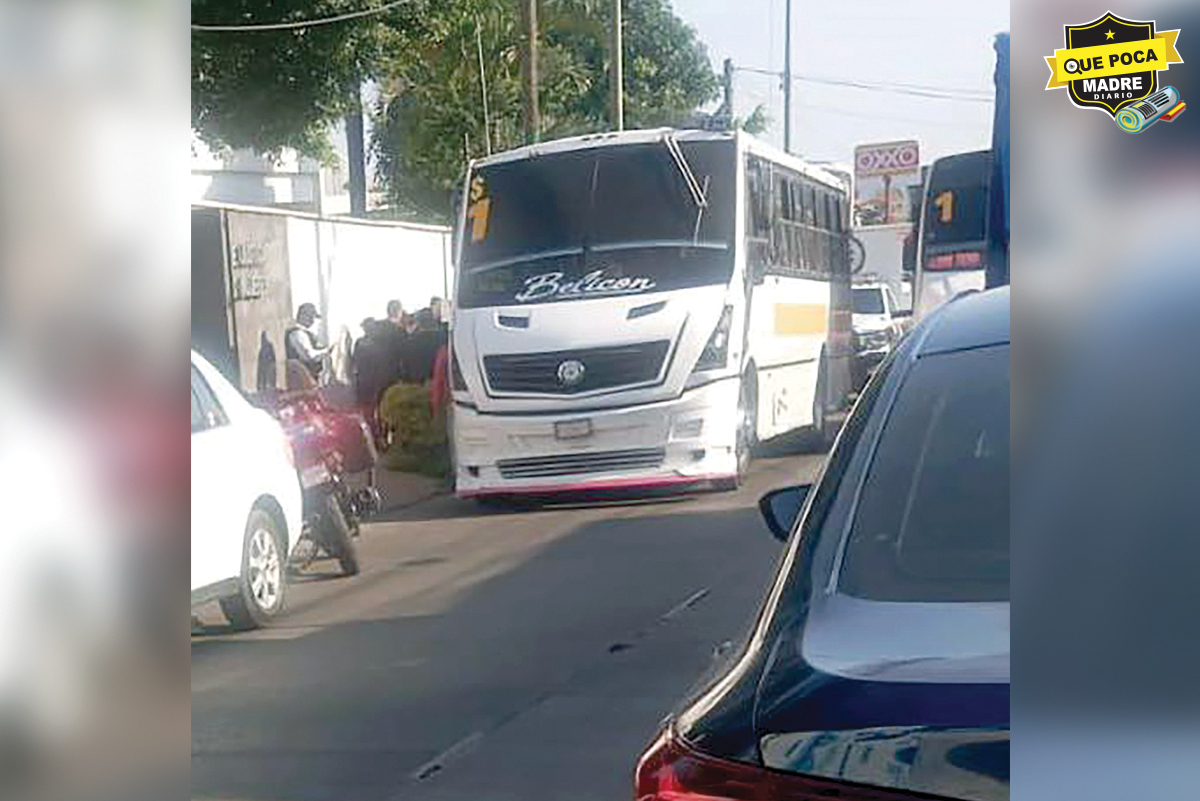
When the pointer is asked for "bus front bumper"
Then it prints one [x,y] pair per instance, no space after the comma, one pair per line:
[682,443]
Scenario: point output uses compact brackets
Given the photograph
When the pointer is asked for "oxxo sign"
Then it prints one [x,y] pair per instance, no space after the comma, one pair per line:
[891,158]
[882,173]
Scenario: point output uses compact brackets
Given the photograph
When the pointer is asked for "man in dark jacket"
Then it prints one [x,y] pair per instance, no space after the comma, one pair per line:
[393,340]
[423,348]
[372,371]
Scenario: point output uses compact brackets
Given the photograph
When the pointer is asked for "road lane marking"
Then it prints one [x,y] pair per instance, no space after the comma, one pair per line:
[686,604]
[439,763]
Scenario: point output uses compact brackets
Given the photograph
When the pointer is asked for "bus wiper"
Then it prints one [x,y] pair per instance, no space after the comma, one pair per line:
[699,193]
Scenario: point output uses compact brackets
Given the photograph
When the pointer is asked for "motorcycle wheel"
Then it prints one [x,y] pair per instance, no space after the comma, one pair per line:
[339,540]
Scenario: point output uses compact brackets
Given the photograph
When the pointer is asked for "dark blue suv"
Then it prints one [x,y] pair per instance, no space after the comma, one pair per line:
[878,667]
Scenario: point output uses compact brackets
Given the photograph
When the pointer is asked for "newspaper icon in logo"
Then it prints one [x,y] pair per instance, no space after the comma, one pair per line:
[1163,105]
[1112,64]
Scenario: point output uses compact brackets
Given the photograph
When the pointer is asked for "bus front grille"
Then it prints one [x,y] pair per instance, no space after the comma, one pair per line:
[574,464]
[602,368]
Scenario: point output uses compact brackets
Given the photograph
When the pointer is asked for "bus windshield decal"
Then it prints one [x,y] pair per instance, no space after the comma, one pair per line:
[554,285]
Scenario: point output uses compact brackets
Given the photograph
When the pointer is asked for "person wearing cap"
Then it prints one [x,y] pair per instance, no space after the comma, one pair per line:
[301,344]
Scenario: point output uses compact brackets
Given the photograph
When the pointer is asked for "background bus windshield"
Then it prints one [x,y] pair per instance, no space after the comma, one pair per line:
[956,205]
[598,221]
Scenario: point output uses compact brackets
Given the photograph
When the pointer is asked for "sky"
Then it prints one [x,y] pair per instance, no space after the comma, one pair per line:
[944,44]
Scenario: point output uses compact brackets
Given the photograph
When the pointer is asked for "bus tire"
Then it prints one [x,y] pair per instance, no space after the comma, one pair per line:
[819,437]
[746,436]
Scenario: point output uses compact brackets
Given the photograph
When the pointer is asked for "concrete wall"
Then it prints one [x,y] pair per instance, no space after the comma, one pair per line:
[348,268]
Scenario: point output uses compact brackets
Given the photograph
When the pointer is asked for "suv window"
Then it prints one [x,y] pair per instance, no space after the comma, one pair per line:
[206,409]
[932,520]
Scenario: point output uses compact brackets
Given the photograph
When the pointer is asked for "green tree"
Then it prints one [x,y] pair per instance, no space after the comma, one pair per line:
[757,122]
[430,117]
[269,89]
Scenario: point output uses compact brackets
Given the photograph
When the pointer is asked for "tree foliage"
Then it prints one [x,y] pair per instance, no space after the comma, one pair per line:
[430,118]
[281,88]
[273,89]
[757,122]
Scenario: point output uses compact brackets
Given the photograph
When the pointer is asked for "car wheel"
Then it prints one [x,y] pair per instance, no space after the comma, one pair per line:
[261,585]
[341,538]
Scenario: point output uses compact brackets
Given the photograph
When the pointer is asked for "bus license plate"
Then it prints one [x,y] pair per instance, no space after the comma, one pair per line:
[573,429]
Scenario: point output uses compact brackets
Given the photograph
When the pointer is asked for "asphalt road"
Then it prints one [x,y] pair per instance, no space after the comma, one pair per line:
[509,655]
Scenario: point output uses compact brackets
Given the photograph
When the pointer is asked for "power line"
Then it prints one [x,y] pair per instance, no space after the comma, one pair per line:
[933,92]
[937,94]
[881,116]
[283,26]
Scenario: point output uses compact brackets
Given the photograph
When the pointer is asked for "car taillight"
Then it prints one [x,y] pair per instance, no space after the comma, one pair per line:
[963,260]
[670,771]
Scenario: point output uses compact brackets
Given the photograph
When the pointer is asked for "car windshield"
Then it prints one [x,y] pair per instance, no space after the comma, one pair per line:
[932,519]
[868,300]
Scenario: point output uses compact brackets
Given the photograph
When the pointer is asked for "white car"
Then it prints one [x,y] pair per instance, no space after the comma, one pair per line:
[246,507]
[876,315]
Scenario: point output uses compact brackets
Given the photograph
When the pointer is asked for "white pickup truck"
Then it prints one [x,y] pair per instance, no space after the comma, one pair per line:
[878,321]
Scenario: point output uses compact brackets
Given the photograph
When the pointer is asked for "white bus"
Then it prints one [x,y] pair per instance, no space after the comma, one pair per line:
[638,309]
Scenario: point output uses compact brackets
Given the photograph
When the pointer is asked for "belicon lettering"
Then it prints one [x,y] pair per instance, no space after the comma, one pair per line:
[553,285]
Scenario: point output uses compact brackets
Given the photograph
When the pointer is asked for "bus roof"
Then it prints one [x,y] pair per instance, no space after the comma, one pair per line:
[605,139]
[650,135]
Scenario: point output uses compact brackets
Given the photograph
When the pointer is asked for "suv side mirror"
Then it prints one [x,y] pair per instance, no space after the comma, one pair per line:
[781,507]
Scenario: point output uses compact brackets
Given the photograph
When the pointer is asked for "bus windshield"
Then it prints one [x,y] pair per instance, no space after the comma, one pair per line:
[956,208]
[597,222]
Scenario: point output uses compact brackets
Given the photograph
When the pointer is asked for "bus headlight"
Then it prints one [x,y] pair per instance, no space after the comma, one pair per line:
[716,350]
[457,382]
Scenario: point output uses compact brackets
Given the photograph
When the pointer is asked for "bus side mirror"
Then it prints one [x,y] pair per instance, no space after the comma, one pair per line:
[901,313]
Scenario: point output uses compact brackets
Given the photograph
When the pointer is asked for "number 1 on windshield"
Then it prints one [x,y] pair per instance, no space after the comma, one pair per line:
[945,205]
[479,210]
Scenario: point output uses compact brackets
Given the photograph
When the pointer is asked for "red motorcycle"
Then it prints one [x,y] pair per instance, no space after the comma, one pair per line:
[329,443]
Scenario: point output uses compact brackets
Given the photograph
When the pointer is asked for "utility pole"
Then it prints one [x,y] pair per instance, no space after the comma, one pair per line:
[618,70]
[356,155]
[787,80]
[487,120]
[530,72]
[728,107]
